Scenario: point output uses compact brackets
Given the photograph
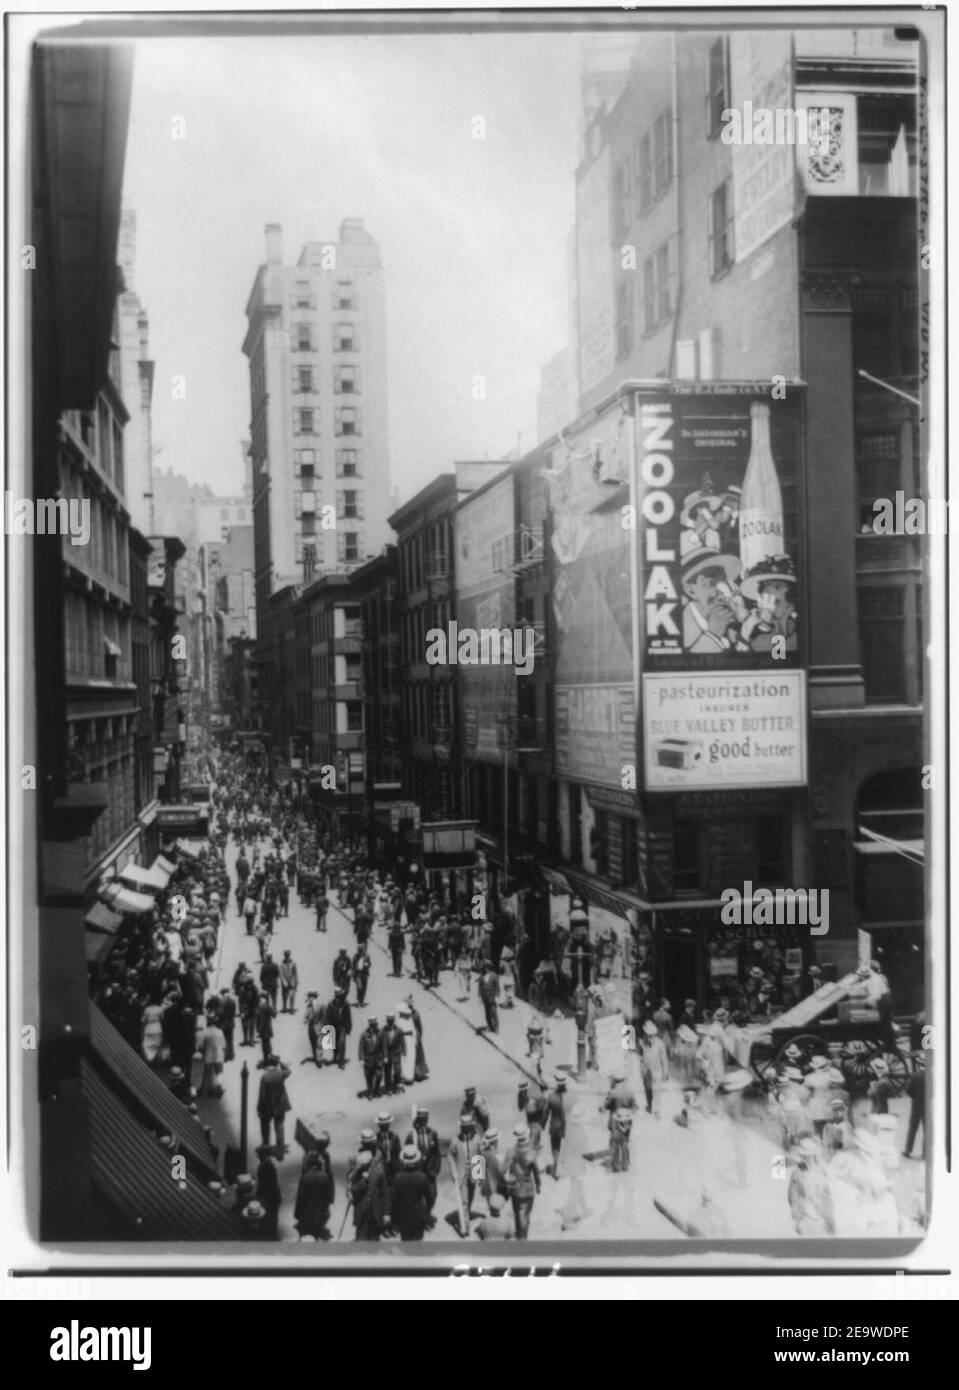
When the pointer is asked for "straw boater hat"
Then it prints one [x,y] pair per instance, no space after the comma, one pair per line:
[704,558]
[409,1156]
[491,1136]
[649,1028]
[818,1062]
[704,495]
[253,1211]
[778,568]
[755,973]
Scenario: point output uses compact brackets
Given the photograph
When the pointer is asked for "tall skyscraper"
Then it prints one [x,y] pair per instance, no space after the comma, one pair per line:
[317,352]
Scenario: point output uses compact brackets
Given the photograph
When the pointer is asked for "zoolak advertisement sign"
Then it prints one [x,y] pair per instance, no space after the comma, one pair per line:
[720,585]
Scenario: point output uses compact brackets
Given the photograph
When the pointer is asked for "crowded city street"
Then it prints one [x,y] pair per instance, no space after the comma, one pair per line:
[706,1159]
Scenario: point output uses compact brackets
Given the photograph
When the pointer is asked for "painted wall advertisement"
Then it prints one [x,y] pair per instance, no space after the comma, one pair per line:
[717,528]
[594,278]
[592,624]
[595,732]
[484,599]
[764,169]
[720,587]
[724,729]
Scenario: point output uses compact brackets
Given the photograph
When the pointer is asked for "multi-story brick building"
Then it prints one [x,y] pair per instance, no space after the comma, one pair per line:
[376,587]
[704,261]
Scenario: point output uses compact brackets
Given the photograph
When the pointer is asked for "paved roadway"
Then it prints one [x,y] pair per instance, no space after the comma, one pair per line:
[670,1165]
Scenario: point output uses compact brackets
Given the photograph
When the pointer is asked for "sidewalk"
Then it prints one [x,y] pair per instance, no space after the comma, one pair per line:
[671,1165]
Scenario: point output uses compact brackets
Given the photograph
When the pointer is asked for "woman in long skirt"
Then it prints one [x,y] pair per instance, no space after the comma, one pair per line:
[405,1024]
[151,1037]
[420,1070]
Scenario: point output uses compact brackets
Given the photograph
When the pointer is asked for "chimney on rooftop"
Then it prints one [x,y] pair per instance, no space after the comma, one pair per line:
[274,243]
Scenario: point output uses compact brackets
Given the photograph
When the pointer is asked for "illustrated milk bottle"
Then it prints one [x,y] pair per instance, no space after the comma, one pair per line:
[761,503]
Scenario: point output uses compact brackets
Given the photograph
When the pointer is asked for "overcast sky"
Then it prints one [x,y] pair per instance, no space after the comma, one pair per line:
[307,131]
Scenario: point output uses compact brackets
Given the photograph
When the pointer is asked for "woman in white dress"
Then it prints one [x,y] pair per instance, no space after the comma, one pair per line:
[404,1022]
[151,1037]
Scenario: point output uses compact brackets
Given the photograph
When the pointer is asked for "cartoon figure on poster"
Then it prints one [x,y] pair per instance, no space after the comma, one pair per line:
[738,602]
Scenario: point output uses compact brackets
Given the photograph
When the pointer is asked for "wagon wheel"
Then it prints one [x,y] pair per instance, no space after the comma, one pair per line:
[898,1068]
[762,1055]
[809,1044]
[855,1062]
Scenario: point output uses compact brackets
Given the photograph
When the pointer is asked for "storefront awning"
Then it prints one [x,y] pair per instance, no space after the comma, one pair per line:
[145,1093]
[882,844]
[103,919]
[126,900]
[137,876]
[98,944]
[167,865]
[131,1174]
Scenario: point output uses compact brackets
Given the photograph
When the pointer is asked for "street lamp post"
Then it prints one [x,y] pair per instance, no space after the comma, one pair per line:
[244,1093]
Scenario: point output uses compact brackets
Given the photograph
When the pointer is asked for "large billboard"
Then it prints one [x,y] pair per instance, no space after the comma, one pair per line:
[720,586]
[717,527]
[485,599]
[591,594]
[764,173]
[726,729]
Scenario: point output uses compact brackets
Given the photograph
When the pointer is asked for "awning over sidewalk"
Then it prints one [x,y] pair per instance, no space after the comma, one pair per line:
[167,865]
[137,876]
[125,900]
[101,918]
[146,1094]
[131,1172]
[97,944]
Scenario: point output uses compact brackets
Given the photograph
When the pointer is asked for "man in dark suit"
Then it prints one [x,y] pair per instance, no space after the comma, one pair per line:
[427,1141]
[393,1051]
[228,1021]
[371,1057]
[388,1143]
[340,1018]
[273,1102]
[265,1014]
[410,1207]
[268,1192]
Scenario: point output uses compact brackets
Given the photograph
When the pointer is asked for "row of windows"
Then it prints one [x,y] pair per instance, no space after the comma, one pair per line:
[308,545]
[344,293]
[107,550]
[346,380]
[426,555]
[348,461]
[660,277]
[645,177]
[102,435]
[347,421]
[96,640]
[426,710]
[415,625]
[346,337]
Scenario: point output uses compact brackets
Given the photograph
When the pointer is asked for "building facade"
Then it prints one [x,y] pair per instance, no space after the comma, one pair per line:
[319,450]
[702,261]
